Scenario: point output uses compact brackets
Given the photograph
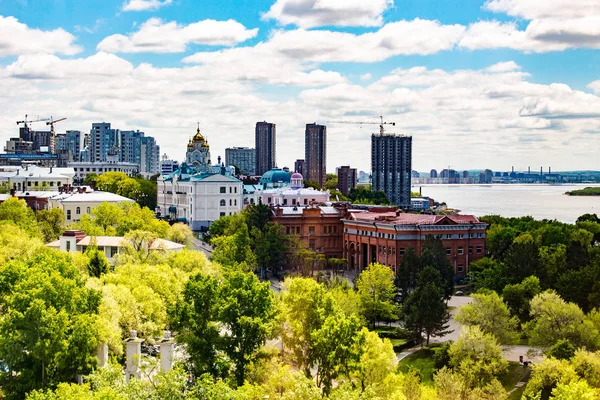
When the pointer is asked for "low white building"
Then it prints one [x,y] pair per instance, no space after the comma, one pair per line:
[82,169]
[32,177]
[291,194]
[77,241]
[76,204]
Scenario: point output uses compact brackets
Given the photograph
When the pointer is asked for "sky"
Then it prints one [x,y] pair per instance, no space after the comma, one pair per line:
[476,83]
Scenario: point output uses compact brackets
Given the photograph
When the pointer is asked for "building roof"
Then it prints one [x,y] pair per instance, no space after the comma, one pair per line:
[412,219]
[275,176]
[33,171]
[93,197]
[298,210]
[119,241]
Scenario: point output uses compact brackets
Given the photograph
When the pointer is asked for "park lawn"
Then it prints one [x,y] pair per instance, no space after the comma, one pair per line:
[513,375]
[421,361]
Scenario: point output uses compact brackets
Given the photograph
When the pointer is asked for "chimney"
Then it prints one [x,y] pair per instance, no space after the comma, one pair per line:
[167,348]
[549,170]
[542,171]
[528,170]
[134,356]
[513,168]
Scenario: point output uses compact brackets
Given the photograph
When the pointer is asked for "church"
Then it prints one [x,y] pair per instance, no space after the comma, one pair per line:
[198,193]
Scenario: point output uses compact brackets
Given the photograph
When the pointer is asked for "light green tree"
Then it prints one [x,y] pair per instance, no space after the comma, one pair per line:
[16,211]
[51,223]
[491,315]
[554,319]
[547,375]
[377,291]
[180,233]
[579,390]
[477,356]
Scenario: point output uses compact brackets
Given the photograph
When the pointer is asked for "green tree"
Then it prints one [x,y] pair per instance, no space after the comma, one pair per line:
[546,376]
[518,296]
[98,264]
[305,307]
[553,319]
[425,309]
[247,313]
[48,331]
[194,318]
[16,211]
[408,273]
[575,391]
[257,215]
[434,255]
[234,250]
[489,273]
[477,356]
[376,291]
[336,348]
[90,179]
[491,315]
[51,223]
[562,350]
[180,233]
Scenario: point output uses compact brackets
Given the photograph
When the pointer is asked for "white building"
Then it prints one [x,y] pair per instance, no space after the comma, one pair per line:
[198,193]
[77,241]
[282,193]
[32,177]
[76,204]
[168,166]
[82,169]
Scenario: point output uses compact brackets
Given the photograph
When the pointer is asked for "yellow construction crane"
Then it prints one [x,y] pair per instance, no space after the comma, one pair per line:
[53,121]
[380,123]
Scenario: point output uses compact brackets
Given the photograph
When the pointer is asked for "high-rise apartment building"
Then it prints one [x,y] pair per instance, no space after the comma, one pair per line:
[149,157]
[300,167]
[130,143]
[265,144]
[346,179]
[315,153]
[168,166]
[70,141]
[244,158]
[102,139]
[391,165]
[41,140]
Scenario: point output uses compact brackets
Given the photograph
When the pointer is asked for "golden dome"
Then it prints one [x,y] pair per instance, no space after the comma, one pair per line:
[198,136]
[190,144]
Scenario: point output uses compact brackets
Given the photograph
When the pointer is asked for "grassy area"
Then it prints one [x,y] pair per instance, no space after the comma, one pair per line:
[515,373]
[398,342]
[421,361]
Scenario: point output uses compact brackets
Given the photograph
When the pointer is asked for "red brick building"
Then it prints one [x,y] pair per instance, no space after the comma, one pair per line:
[318,227]
[384,237]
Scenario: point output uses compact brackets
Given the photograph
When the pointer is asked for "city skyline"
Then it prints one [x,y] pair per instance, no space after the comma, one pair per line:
[493,84]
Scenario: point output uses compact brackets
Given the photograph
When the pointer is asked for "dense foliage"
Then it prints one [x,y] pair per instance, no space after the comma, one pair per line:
[588,191]
[367,196]
[143,191]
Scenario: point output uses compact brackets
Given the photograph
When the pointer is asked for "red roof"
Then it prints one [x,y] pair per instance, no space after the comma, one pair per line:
[413,219]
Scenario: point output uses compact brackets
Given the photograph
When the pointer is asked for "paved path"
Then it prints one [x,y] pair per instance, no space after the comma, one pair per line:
[199,245]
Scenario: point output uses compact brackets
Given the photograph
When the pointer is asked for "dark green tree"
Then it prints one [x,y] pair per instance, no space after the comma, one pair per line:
[51,223]
[407,274]
[562,350]
[518,296]
[434,255]
[425,309]
[98,264]
[246,311]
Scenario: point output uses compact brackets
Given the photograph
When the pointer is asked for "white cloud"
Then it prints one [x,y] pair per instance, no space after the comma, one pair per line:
[554,25]
[17,38]
[595,86]
[504,67]
[156,36]
[143,5]
[366,77]
[313,13]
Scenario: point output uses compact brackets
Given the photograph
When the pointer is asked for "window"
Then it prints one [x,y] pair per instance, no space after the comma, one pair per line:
[113,251]
[285,202]
[460,251]
[223,189]
[269,200]
[293,202]
[448,236]
[68,215]
[68,245]
[305,201]
[29,183]
[222,214]
[311,230]
[235,189]
[222,203]
[460,268]
[461,235]
[478,249]
[230,202]
[470,249]
[78,211]
[235,202]
[401,251]
[51,183]
[448,251]
[230,189]
[311,244]
[87,210]
[287,230]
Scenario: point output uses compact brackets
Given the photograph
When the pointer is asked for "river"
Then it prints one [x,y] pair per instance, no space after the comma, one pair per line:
[515,200]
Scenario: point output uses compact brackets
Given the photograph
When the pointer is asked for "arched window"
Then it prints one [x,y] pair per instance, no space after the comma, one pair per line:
[222,202]
[78,210]
[87,210]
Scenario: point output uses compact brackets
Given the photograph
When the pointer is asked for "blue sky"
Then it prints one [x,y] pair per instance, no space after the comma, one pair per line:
[478,83]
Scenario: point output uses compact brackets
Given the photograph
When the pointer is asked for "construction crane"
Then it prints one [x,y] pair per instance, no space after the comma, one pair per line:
[26,121]
[52,122]
[380,123]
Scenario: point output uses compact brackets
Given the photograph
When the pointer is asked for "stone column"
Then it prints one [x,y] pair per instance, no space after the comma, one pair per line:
[102,354]
[167,349]
[134,356]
